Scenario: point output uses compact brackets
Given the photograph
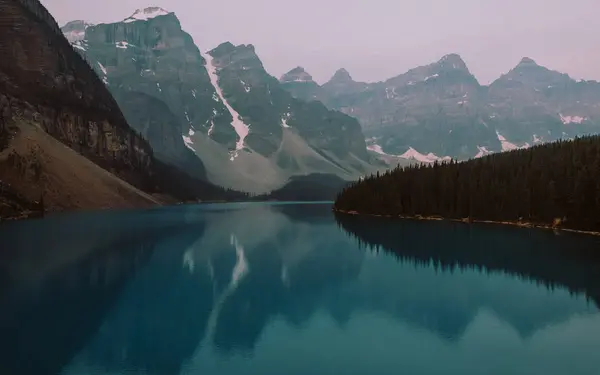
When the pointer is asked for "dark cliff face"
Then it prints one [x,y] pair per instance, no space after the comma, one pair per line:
[50,98]
[153,119]
[157,58]
[43,80]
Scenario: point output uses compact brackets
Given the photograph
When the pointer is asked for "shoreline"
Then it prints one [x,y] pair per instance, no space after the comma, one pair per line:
[528,225]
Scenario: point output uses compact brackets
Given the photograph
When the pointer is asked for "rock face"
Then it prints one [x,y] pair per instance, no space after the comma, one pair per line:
[441,110]
[74,31]
[51,98]
[45,82]
[245,130]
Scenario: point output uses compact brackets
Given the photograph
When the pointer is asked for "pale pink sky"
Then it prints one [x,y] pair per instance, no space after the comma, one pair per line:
[378,39]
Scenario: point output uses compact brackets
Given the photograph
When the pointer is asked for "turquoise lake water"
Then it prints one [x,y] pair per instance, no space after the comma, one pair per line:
[291,289]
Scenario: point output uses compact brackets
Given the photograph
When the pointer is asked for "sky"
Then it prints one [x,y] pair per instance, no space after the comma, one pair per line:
[378,39]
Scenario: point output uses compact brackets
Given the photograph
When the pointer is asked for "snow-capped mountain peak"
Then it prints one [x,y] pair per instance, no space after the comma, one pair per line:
[146,14]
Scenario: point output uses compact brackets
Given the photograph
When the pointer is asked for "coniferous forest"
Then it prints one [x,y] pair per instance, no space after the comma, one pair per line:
[556,184]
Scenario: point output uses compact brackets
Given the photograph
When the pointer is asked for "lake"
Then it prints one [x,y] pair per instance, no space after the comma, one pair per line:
[292,289]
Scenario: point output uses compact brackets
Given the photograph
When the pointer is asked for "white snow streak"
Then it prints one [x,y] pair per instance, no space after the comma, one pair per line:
[376,148]
[146,14]
[79,45]
[122,44]
[285,119]
[536,139]
[158,86]
[508,146]
[483,151]
[571,119]
[412,154]
[212,127]
[247,87]
[241,128]
[431,77]
[194,93]
[102,68]
[188,142]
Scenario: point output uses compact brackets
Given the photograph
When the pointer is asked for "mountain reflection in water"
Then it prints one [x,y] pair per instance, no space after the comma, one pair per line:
[258,288]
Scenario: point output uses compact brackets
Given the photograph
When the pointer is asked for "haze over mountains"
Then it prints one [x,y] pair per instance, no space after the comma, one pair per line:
[440,110]
[433,112]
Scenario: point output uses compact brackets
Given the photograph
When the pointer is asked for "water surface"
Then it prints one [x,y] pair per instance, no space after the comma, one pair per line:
[290,289]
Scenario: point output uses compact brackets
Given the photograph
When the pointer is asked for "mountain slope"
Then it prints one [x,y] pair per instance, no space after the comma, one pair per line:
[241,125]
[48,93]
[441,109]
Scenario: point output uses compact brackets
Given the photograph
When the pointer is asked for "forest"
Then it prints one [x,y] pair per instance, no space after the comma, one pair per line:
[554,184]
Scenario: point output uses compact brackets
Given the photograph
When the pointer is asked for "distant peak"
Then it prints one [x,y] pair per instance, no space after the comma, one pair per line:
[222,49]
[75,30]
[341,75]
[453,61]
[527,61]
[76,24]
[146,14]
[298,74]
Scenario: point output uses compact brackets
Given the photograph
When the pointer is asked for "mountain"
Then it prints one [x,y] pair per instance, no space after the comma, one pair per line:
[64,142]
[440,110]
[238,127]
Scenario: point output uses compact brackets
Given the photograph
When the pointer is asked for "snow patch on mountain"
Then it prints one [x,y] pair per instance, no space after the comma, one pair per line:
[80,44]
[571,119]
[412,154]
[377,149]
[104,71]
[189,143]
[242,129]
[483,151]
[247,87]
[146,14]
[537,139]
[431,77]
[102,68]
[285,119]
[123,44]
[508,146]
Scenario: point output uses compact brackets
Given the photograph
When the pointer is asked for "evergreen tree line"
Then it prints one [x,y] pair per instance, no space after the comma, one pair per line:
[546,184]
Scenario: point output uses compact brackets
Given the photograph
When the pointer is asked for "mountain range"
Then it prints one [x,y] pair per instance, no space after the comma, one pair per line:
[440,110]
[218,114]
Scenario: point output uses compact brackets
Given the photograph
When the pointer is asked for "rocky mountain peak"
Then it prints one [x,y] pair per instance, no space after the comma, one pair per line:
[526,61]
[341,76]
[146,14]
[453,61]
[75,30]
[298,74]
[222,49]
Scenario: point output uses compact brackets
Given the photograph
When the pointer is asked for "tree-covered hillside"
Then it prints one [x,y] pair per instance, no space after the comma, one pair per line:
[557,183]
